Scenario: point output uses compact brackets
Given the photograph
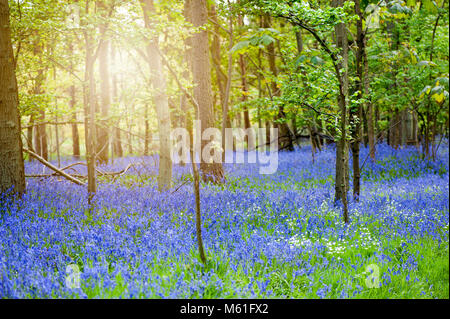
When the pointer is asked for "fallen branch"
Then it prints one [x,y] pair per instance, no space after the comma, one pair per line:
[84,164]
[72,165]
[53,175]
[118,174]
[180,186]
[52,167]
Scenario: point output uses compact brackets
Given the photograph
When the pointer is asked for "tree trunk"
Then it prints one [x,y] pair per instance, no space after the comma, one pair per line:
[285,139]
[186,119]
[226,122]
[129,128]
[202,92]
[102,145]
[370,116]
[11,157]
[356,112]
[342,145]
[40,130]
[117,143]
[158,80]
[58,153]
[30,135]
[75,135]
[146,130]
[72,103]
[89,115]
[221,78]
[243,67]
[40,136]
[260,90]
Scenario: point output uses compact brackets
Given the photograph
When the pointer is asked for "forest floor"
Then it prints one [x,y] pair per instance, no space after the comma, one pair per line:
[271,236]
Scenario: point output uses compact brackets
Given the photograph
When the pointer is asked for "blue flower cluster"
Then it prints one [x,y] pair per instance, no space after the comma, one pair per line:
[277,235]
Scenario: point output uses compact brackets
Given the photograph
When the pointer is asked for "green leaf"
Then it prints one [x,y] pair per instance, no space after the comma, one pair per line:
[426,63]
[240,46]
[302,58]
[266,39]
[317,60]
[254,41]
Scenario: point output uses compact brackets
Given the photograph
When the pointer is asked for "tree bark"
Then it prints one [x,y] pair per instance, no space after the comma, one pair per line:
[285,138]
[117,143]
[211,172]
[30,135]
[40,130]
[342,145]
[146,130]
[226,122]
[75,134]
[158,80]
[72,103]
[370,113]
[12,173]
[102,143]
[356,111]
[221,78]
[243,69]
[89,114]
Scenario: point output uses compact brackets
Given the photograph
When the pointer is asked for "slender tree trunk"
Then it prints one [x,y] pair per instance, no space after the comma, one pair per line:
[316,136]
[226,122]
[285,138]
[268,127]
[158,80]
[188,7]
[242,66]
[198,219]
[72,104]
[11,157]
[313,143]
[117,143]
[129,127]
[102,143]
[146,130]
[89,114]
[41,131]
[356,112]
[260,91]
[40,136]
[342,145]
[58,154]
[30,135]
[202,91]
[378,133]
[415,129]
[221,78]
[243,69]
[186,120]
[90,134]
[370,115]
[74,126]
